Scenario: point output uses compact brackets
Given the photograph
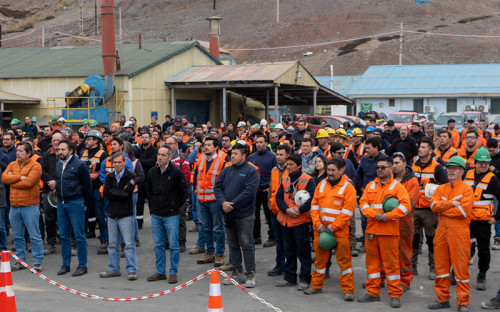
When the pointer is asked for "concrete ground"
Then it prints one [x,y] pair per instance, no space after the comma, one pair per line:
[34,294]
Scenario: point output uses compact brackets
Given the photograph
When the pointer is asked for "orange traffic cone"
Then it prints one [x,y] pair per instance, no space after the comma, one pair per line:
[215,297]
[7,297]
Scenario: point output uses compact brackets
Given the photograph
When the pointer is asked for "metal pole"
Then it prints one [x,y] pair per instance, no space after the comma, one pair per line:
[277,11]
[401,44]
[276,102]
[95,17]
[266,112]
[81,17]
[224,108]
[172,102]
[120,25]
[315,93]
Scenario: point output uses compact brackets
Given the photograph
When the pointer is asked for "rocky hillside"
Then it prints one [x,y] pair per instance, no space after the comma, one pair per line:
[252,24]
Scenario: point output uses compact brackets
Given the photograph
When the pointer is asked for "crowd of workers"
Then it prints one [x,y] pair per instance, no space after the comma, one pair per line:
[61,184]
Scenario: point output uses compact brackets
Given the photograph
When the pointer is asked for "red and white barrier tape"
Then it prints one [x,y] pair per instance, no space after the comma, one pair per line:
[158,294]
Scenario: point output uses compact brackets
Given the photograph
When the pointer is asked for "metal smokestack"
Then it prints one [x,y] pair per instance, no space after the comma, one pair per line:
[214,35]
[108,43]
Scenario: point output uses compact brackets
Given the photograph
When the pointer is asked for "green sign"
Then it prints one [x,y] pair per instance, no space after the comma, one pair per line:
[366,107]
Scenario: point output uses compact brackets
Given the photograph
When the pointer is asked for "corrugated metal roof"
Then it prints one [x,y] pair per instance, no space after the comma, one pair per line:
[428,80]
[251,72]
[341,84]
[82,61]
[11,98]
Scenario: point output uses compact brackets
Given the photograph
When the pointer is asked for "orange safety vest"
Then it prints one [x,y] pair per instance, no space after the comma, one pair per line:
[327,153]
[289,199]
[92,162]
[274,185]
[138,138]
[207,177]
[334,205]
[455,138]
[186,138]
[424,176]
[482,209]
[360,152]
[109,167]
[194,167]
[469,162]
[221,154]
[371,203]
[447,155]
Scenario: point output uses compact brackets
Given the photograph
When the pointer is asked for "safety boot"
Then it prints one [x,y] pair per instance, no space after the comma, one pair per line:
[481,281]
[207,258]
[439,305]
[496,244]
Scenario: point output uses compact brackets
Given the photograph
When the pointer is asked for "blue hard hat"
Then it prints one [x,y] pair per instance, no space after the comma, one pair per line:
[370,129]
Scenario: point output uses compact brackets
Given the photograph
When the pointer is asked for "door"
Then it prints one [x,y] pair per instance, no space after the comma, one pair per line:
[197,112]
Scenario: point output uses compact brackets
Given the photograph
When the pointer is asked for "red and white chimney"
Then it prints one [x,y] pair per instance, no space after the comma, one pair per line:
[108,43]
[214,35]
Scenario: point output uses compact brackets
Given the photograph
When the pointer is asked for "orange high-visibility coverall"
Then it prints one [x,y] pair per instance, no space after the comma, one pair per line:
[452,239]
[406,233]
[334,205]
[382,238]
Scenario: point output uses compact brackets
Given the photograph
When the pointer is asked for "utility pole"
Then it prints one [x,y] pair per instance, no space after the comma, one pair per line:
[401,43]
[81,17]
[277,11]
[95,17]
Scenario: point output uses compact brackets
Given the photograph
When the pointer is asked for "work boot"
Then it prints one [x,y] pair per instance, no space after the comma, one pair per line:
[395,303]
[258,241]
[226,267]
[491,305]
[368,298]
[439,305]
[302,286]
[50,250]
[354,252]
[17,266]
[274,271]
[415,270]
[312,291]
[196,250]
[237,276]
[405,288]
[284,283]
[481,281]
[348,297]
[496,244]
[219,261]
[269,243]
[207,258]
[250,282]
[37,267]
[432,275]
[463,308]
[137,242]
[103,249]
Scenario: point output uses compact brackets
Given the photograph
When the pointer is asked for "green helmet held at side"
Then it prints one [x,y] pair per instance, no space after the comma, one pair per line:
[92,123]
[389,204]
[326,240]
[482,155]
[456,161]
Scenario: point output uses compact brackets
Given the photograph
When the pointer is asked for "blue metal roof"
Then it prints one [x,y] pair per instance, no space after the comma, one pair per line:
[473,79]
[341,84]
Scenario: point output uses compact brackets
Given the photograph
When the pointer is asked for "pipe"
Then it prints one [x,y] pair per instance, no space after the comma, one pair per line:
[108,44]
[214,35]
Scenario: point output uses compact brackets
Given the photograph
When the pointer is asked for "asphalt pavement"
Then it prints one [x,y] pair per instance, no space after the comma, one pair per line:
[35,294]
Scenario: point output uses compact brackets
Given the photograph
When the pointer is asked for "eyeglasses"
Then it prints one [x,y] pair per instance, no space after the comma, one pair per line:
[470,137]
[381,167]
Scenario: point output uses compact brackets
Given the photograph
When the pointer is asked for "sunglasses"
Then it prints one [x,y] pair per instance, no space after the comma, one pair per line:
[381,167]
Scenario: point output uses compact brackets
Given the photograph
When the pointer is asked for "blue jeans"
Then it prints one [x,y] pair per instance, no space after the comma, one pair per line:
[213,222]
[194,209]
[170,227]
[134,203]
[278,238]
[497,225]
[71,215]
[98,202]
[22,219]
[3,231]
[117,229]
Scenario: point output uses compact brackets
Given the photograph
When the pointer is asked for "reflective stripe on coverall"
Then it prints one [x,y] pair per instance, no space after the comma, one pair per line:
[452,241]
[336,206]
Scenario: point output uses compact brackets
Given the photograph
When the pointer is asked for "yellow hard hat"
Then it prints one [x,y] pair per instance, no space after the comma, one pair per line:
[322,133]
[331,131]
[357,132]
[341,132]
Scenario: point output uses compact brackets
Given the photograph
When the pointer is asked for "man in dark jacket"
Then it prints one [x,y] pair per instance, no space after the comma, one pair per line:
[391,133]
[118,190]
[235,191]
[73,194]
[492,146]
[404,144]
[147,156]
[265,161]
[416,132]
[168,188]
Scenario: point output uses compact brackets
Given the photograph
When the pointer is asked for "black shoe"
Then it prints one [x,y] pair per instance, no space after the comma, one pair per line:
[182,247]
[274,271]
[258,241]
[439,305]
[491,305]
[269,243]
[91,235]
[368,298]
[481,281]
[80,271]
[64,269]
[395,303]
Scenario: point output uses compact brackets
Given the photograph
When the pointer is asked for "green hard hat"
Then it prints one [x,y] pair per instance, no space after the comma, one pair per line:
[389,204]
[290,129]
[456,161]
[92,123]
[482,155]
[272,125]
[53,118]
[33,119]
[85,121]
[326,240]
[14,121]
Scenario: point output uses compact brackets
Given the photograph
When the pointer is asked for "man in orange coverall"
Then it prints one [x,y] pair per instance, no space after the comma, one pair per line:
[406,176]
[332,208]
[382,232]
[453,204]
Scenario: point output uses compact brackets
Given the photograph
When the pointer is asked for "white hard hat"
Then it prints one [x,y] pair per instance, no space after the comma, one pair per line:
[241,124]
[263,122]
[279,126]
[128,124]
[242,142]
[61,119]
[429,189]
[301,197]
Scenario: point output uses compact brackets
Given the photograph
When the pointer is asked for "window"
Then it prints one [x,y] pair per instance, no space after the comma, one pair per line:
[418,105]
[392,103]
[495,106]
[451,105]
[315,121]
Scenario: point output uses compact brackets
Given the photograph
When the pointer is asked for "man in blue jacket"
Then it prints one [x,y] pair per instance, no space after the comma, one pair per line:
[265,161]
[235,191]
[73,188]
